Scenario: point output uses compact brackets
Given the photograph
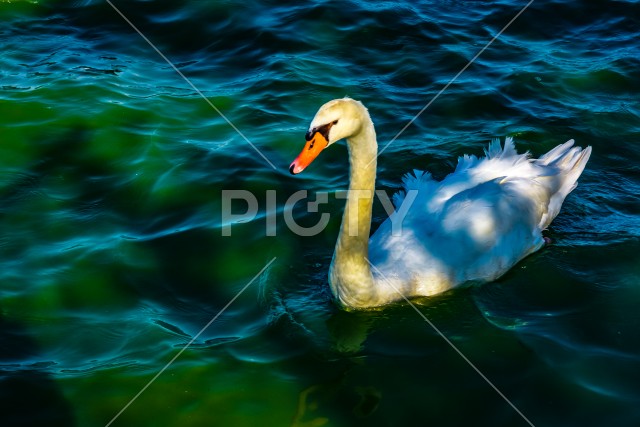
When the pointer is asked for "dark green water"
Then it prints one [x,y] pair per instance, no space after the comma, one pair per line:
[111,250]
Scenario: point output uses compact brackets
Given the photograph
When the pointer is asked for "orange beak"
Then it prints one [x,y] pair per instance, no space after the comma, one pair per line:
[311,149]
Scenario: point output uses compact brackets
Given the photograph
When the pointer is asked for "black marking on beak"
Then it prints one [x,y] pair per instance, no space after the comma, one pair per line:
[324,131]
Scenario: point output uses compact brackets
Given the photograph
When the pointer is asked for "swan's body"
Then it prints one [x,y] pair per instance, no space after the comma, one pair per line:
[472,226]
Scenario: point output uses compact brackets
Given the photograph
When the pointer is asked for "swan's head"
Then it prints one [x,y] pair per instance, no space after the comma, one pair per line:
[335,120]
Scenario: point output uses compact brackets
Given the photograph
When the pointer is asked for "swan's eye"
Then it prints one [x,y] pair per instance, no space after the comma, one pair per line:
[322,130]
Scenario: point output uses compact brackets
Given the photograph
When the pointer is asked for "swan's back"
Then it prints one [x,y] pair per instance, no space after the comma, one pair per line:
[479,221]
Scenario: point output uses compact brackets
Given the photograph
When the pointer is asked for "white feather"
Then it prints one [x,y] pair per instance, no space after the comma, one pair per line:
[479,221]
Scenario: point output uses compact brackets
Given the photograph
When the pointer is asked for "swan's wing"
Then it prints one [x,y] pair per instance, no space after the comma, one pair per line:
[490,227]
[416,239]
[557,171]
[470,172]
[496,152]
[478,234]
[480,220]
[420,181]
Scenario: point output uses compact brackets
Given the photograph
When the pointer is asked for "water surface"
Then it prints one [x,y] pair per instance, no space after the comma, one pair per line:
[111,176]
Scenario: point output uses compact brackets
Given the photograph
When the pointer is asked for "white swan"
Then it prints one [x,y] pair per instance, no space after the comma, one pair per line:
[472,226]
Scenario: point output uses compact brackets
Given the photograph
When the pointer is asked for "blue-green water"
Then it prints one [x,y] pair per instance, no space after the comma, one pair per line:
[111,249]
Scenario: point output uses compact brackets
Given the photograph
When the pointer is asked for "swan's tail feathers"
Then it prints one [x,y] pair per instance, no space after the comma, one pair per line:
[556,153]
[411,181]
[570,162]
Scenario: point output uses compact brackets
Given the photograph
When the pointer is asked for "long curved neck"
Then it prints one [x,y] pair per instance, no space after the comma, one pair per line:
[350,274]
